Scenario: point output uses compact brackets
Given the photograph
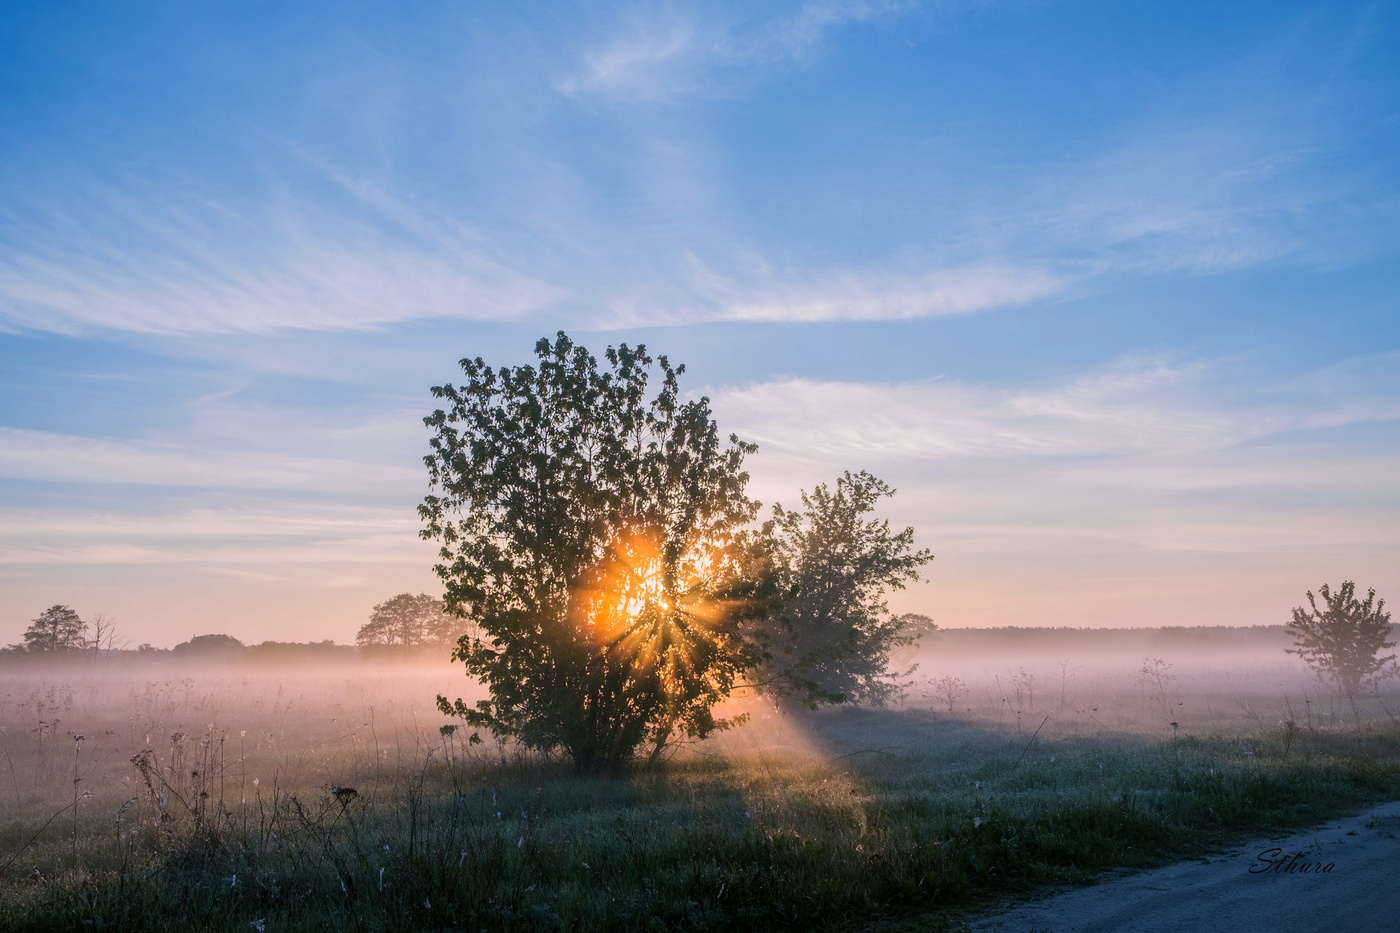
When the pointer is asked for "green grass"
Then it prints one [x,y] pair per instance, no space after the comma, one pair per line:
[836,833]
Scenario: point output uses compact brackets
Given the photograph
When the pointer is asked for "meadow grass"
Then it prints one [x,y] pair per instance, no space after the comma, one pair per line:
[849,819]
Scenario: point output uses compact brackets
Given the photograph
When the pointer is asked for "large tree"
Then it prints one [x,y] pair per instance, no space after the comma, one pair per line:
[57,629]
[587,523]
[1342,642]
[410,621]
[831,633]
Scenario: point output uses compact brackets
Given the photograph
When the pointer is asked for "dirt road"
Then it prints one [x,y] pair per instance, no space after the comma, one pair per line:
[1278,885]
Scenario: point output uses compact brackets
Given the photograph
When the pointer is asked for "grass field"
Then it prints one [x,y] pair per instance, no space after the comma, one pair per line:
[208,801]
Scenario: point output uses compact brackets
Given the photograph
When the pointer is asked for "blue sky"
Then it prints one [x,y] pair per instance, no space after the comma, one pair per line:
[1107,290]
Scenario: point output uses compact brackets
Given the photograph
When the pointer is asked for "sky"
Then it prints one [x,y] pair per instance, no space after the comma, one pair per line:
[1110,292]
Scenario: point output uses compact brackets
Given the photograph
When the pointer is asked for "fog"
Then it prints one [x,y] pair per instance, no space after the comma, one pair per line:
[240,728]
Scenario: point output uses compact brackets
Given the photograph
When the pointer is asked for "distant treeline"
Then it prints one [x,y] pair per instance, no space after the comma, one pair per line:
[1076,642]
[952,643]
[225,649]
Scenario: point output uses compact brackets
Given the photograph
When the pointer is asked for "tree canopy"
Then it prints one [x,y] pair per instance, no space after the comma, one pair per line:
[831,633]
[58,628]
[1342,641]
[209,647]
[410,621]
[588,522]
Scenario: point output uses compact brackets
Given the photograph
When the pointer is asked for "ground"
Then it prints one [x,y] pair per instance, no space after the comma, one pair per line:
[1239,890]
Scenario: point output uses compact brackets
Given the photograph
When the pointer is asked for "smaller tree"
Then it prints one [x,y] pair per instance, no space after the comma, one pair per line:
[917,626]
[57,629]
[1342,641]
[832,634]
[410,621]
[949,689]
[105,638]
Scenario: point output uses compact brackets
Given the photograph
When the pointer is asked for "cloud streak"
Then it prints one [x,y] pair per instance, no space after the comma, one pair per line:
[256,533]
[1135,408]
[583,215]
[200,268]
[673,54]
[41,456]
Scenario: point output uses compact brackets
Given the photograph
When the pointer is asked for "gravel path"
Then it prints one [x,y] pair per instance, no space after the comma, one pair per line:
[1360,893]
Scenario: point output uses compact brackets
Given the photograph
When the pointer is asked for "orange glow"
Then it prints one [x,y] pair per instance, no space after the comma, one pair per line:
[643,610]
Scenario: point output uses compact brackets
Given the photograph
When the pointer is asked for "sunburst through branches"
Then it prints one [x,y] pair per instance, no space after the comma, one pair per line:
[649,609]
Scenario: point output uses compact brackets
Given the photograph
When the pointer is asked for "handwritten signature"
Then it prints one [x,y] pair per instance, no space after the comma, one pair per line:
[1273,860]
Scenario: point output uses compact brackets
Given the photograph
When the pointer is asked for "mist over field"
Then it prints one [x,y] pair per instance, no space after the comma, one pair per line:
[303,784]
[343,718]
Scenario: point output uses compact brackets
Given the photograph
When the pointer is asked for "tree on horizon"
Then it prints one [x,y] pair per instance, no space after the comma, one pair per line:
[58,629]
[410,621]
[1342,641]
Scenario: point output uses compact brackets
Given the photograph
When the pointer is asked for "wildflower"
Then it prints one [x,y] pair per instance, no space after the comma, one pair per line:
[258,925]
[976,822]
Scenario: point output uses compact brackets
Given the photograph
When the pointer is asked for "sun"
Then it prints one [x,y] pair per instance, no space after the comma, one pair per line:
[647,601]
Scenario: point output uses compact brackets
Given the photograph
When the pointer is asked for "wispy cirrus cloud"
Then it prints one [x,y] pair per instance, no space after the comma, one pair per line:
[597,217]
[669,53]
[256,532]
[648,62]
[1142,468]
[1136,408]
[1237,165]
[192,267]
[44,456]
[159,265]
[870,295]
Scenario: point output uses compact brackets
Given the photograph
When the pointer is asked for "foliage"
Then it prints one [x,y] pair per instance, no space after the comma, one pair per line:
[1342,641]
[831,635]
[293,652]
[949,689]
[410,621]
[917,626]
[208,646]
[587,530]
[58,628]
